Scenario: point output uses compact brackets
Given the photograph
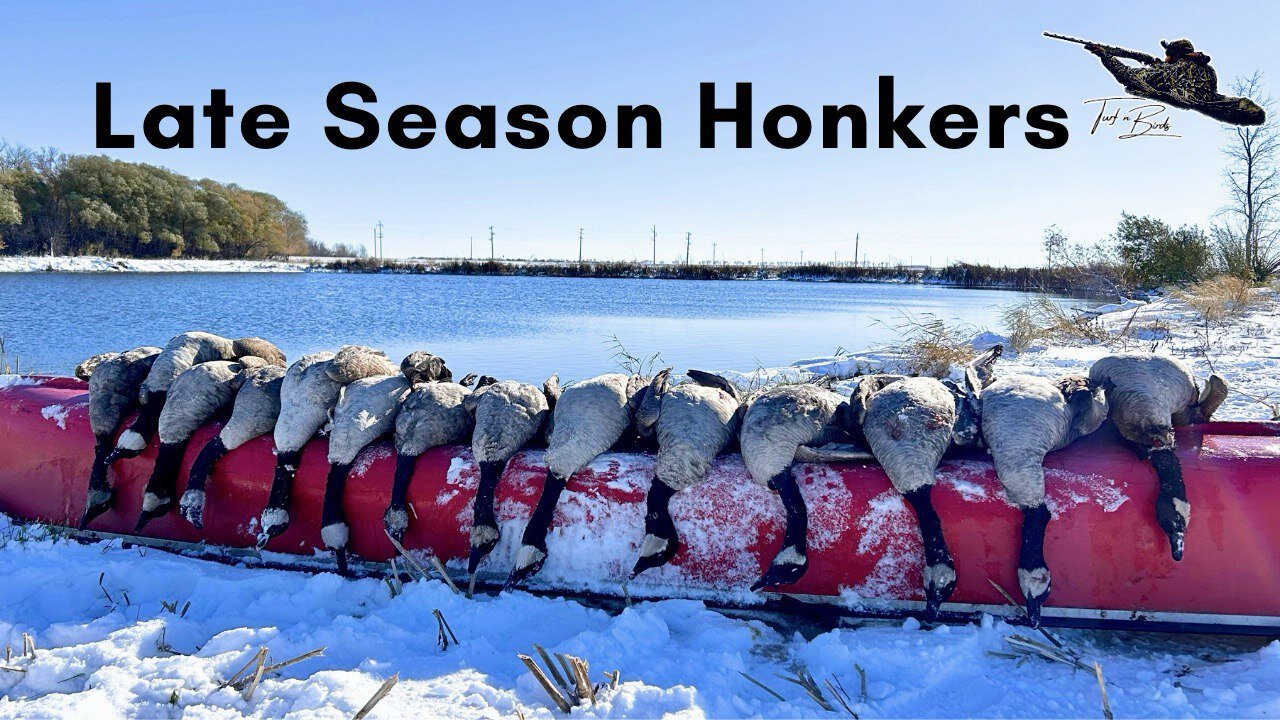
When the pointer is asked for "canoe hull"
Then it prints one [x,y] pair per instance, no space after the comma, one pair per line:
[1105,551]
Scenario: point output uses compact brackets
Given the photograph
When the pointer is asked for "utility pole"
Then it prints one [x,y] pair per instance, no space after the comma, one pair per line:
[579,246]
[857,240]
[713,253]
[471,248]
[655,244]
[490,243]
[377,240]
[687,243]
[801,257]
[762,257]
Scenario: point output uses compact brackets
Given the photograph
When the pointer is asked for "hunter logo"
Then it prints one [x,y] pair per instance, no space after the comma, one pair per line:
[1143,119]
[1183,79]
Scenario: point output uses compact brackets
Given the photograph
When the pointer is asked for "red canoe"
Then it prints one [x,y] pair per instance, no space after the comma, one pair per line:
[1109,559]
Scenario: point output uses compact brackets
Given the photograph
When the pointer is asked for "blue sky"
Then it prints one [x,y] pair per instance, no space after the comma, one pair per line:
[911,205]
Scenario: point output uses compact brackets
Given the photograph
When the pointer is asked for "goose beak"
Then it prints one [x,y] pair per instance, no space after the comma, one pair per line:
[657,552]
[780,574]
[478,553]
[1033,609]
[529,560]
[273,522]
[1177,542]
[97,503]
[146,517]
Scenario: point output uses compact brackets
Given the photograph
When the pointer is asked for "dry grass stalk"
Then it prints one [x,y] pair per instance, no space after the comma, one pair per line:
[572,676]
[762,686]
[1219,298]
[380,693]
[393,580]
[413,562]
[800,676]
[1042,318]
[931,346]
[28,646]
[546,660]
[236,676]
[242,683]
[444,633]
[10,668]
[862,683]
[556,696]
[444,573]
[1102,687]
[1022,610]
[260,662]
[163,646]
[110,599]
[409,560]
[582,680]
[841,695]
[7,368]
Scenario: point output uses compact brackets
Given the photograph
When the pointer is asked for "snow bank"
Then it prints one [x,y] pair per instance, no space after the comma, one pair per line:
[1243,349]
[100,264]
[107,646]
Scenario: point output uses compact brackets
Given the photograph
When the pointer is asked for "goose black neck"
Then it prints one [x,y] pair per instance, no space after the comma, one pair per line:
[102,447]
[148,418]
[657,519]
[209,456]
[164,476]
[1169,471]
[490,473]
[535,533]
[935,545]
[333,513]
[797,531]
[1034,522]
[282,483]
[405,465]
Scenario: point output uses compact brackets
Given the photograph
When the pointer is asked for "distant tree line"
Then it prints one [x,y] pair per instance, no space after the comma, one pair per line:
[94,205]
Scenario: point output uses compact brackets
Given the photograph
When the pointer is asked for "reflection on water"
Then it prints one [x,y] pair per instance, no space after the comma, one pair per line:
[516,327]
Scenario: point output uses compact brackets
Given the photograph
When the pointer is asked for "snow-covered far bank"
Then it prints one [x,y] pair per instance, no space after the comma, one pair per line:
[91,264]
[1245,349]
[132,634]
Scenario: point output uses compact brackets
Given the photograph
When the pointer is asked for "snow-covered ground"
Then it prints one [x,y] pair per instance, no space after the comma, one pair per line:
[1244,349]
[108,645]
[100,264]
[123,633]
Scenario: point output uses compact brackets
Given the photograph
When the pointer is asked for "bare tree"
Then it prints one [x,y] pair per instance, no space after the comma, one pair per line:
[1247,233]
[1055,244]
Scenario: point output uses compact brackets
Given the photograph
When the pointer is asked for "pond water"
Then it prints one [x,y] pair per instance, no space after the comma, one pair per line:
[512,327]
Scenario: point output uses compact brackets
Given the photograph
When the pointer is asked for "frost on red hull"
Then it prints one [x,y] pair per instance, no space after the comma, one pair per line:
[1102,543]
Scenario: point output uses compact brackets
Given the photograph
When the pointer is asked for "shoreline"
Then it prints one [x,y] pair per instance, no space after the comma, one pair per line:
[1244,348]
[969,277]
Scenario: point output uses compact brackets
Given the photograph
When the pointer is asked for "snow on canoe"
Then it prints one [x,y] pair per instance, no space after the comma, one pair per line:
[1109,559]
